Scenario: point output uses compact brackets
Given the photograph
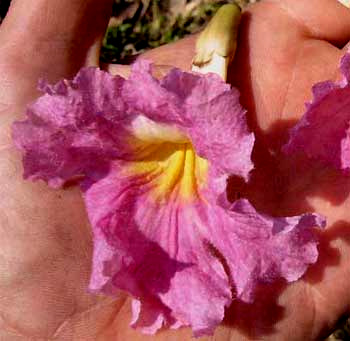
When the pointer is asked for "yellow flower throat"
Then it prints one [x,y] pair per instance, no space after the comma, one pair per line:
[172,169]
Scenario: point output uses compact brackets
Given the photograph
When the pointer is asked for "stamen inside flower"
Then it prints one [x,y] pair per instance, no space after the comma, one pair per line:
[172,170]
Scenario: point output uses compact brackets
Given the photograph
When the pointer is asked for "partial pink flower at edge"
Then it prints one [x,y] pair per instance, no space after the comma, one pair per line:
[152,158]
[323,131]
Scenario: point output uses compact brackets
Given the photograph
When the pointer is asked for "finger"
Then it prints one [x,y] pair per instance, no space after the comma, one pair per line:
[52,37]
[323,19]
[178,54]
[279,58]
[158,71]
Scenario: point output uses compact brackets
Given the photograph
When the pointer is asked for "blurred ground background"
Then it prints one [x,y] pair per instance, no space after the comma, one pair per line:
[139,25]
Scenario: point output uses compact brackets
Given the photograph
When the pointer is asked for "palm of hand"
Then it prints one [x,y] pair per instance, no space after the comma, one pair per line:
[44,234]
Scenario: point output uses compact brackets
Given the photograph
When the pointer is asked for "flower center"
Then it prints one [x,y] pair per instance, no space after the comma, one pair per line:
[173,170]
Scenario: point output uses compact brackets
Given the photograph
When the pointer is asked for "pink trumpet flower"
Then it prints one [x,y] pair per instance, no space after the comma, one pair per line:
[152,158]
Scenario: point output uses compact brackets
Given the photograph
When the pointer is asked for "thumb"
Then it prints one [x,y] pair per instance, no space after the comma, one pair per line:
[52,38]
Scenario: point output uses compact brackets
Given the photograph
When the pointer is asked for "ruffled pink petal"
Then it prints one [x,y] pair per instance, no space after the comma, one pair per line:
[169,253]
[152,100]
[73,129]
[218,127]
[260,248]
[203,106]
[160,255]
[323,131]
[149,317]
[77,127]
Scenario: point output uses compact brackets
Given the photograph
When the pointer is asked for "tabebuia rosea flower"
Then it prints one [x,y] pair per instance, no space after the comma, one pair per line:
[323,133]
[152,158]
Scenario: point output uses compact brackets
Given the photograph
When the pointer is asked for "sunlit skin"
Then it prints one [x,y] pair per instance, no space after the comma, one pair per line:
[284,47]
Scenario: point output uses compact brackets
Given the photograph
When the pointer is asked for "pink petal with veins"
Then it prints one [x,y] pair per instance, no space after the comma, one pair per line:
[322,132]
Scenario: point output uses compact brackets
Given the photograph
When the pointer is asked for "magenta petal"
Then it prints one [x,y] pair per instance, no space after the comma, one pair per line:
[160,255]
[165,253]
[152,99]
[73,129]
[149,316]
[259,248]
[345,150]
[322,132]
[103,262]
[218,127]
[77,127]
[204,106]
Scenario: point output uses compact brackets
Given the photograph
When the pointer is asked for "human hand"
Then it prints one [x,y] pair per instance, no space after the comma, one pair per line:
[44,236]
